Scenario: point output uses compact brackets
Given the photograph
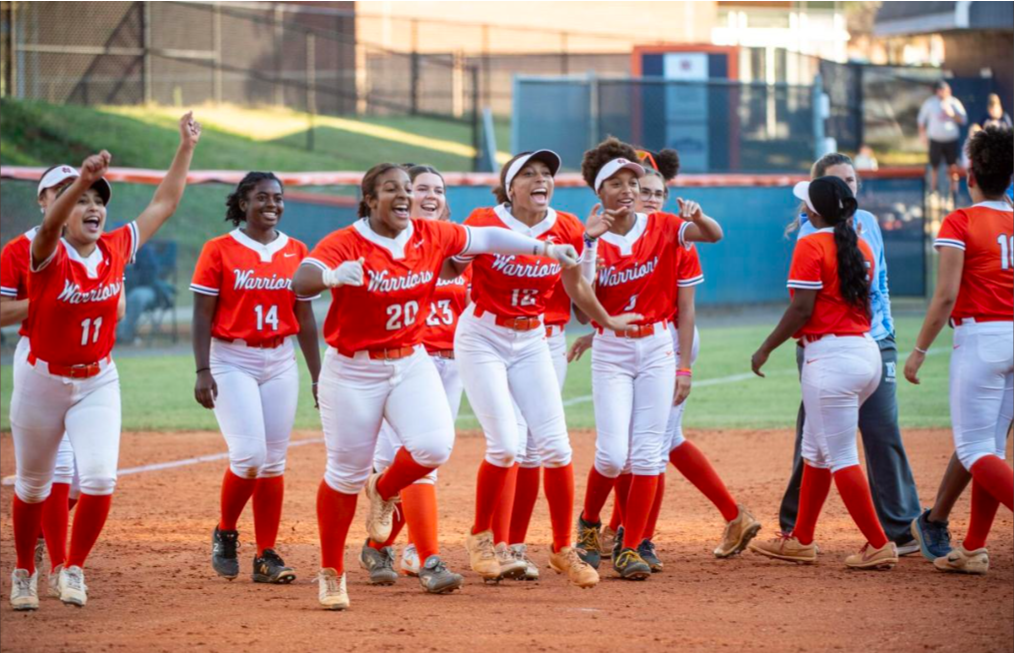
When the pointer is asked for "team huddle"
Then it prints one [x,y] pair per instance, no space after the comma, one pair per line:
[423,309]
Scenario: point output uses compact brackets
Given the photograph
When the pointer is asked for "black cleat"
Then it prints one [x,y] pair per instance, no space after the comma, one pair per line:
[629,565]
[270,568]
[436,578]
[223,553]
[380,564]
[588,544]
[647,552]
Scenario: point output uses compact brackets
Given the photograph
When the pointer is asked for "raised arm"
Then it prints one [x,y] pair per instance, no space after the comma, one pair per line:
[169,193]
[48,237]
[702,228]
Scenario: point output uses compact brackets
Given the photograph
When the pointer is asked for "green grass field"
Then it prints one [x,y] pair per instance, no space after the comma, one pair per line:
[158,391]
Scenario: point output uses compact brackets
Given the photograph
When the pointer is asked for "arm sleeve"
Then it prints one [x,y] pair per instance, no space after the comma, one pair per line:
[805,273]
[12,269]
[589,262]
[953,231]
[207,278]
[494,240]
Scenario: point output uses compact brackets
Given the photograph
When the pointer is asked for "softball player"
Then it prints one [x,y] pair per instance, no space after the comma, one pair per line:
[975,289]
[634,373]
[419,500]
[71,383]
[245,313]
[386,266]
[890,475]
[14,266]
[503,355]
[829,280]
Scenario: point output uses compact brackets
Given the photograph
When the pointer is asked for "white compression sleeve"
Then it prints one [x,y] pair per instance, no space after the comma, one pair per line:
[589,261]
[494,240]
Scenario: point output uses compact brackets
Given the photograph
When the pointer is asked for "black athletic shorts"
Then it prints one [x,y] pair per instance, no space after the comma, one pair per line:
[946,151]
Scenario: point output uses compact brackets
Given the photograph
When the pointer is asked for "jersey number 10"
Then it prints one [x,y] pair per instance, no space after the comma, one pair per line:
[1006,251]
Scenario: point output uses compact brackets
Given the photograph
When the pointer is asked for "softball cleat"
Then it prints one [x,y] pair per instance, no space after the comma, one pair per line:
[270,568]
[786,547]
[482,555]
[24,590]
[331,592]
[73,590]
[738,534]
[436,578]
[963,561]
[379,564]
[567,561]
[631,566]
[881,559]
[223,553]
[379,519]
[410,560]
[510,567]
[520,552]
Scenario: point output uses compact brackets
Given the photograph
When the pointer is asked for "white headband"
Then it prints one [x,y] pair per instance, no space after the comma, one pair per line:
[614,166]
[56,176]
[553,162]
[802,191]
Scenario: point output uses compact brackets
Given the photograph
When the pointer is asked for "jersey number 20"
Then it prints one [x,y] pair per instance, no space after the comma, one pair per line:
[401,315]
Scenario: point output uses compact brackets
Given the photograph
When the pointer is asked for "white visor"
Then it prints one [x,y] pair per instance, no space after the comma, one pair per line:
[614,166]
[56,176]
[549,157]
[802,191]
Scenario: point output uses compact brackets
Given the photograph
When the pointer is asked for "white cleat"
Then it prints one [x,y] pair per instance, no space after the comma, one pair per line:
[520,552]
[40,552]
[379,518]
[24,590]
[331,590]
[963,561]
[73,590]
[53,582]
[410,560]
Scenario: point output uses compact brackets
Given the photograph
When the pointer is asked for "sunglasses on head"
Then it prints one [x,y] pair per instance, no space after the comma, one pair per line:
[648,158]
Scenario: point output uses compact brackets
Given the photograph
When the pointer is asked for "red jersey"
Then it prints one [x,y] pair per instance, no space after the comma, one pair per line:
[72,301]
[815,267]
[14,261]
[448,302]
[389,310]
[520,285]
[253,284]
[985,232]
[688,273]
[639,269]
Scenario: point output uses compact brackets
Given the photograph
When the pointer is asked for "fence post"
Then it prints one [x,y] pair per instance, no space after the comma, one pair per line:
[146,46]
[311,87]
[414,63]
[593,111]
[860,116]
[484,55]
[15,58]
[476,125]
[216,37]
[279,39]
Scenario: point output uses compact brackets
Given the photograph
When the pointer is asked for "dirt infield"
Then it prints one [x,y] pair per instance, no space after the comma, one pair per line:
[152,588]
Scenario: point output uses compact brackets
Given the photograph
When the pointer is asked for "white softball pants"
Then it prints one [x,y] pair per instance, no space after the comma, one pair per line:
[64,471]
[357,394]
[839,374]
[982,389]
[43,407]
[388,443]
[258,390]
[674,430]
[497,365]
[633,381]
[528,453]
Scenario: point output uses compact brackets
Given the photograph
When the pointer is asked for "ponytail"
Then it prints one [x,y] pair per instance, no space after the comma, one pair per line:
[852,273]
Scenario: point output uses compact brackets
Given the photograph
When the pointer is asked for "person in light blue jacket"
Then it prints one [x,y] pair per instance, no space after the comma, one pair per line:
[894,491]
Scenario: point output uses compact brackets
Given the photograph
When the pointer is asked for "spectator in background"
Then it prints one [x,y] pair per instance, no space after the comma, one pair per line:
[972,131]
[995,115]
[866,159]
[940,120]
[145,289]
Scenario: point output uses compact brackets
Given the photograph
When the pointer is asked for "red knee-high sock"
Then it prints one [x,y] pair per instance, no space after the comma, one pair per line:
[335,512]
[89,519]
[996,478]
[488,487]
[559,482]
[267,510]
[695,466]
[236,492]
[525,496]
[27,518]
[505,506]
[397,523]
[55,518]
[639,502]
[596,494]
[71,502]
[620,500]
[855,494]
[656,508]
[420,504]
[404,471]
[813,491]
[984,507]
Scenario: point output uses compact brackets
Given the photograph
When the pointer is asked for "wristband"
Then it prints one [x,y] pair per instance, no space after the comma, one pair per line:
[203,369]
[589,241]
[921,351]
[685,371]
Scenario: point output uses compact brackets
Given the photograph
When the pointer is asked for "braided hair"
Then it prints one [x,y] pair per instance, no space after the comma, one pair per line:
[368,187]
[836,205]
[233,212]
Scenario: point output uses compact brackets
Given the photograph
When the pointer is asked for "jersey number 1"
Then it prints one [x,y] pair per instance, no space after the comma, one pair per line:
[1006,251]
[86,326]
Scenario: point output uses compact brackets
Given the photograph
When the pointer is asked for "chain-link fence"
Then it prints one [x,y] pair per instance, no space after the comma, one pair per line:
[717,125]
